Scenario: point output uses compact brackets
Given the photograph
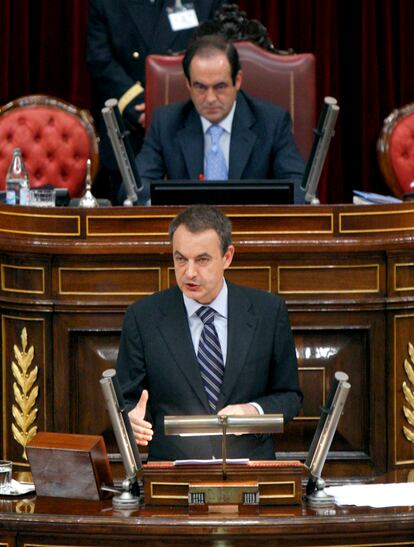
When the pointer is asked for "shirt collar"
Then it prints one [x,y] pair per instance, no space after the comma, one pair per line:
[225,124]
[219,304]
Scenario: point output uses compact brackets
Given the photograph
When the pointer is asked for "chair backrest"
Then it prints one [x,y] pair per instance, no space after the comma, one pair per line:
[56,139]
[395,148]
[286,80]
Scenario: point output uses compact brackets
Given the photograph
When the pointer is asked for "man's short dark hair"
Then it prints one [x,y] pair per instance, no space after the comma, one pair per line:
[208,45]
[199,218]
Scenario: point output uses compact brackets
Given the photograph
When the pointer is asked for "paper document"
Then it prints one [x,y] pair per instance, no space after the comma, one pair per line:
[372,198]
[17,489]
[239,461]
[373,495]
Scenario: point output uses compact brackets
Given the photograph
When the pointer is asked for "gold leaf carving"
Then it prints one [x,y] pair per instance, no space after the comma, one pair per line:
[409,371]
[25,506]
[409,395]
[409,414]
[17,435]
[411,351]
[18,417]
[409,434]
[25,393]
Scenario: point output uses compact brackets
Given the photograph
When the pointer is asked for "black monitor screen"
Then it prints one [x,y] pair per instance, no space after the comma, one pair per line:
[228,192]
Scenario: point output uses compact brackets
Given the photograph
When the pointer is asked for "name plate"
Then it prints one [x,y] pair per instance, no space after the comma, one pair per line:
[223,493]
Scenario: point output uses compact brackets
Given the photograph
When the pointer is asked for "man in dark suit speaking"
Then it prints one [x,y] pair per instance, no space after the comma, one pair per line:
[206,346]
[250,138]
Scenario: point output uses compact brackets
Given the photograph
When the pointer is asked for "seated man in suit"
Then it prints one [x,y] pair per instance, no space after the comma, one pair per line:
[206,346]
[221,132]
[121,34]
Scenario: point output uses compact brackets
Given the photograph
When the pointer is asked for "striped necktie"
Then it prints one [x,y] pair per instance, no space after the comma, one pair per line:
[209,356]
[216,167]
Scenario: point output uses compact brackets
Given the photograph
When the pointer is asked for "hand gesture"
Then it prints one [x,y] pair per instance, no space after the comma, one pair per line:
[141,428]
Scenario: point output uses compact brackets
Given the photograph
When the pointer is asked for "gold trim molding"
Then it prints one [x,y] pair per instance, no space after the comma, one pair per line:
[400,266]
[22,291]
[343,216]
[374,266]
[61,271]
[42,216]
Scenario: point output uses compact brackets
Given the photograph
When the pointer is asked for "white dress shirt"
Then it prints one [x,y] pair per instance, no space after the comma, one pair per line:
[220,306]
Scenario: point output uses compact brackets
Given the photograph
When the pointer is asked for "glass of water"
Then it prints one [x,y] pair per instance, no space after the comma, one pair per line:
[6,467]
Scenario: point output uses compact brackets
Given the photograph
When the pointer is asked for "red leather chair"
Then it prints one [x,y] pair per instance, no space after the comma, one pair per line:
[287,80]
[395,148]
[56,139]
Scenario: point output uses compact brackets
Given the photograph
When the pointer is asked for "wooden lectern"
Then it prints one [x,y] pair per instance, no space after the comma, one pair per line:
[201,485]
[254,483]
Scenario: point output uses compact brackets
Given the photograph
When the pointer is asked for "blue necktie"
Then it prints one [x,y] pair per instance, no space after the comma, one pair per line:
[216,167]
[210,358]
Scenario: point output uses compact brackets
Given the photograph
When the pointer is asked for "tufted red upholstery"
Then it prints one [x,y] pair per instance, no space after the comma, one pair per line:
[396,150]
[287,80]
[55,137]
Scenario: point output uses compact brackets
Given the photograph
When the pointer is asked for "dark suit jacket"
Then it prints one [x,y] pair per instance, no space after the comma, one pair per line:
[156,353]
[261,147]
[118,30]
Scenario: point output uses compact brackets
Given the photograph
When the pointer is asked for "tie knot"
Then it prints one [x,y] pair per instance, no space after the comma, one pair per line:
[206,314]
[216,132]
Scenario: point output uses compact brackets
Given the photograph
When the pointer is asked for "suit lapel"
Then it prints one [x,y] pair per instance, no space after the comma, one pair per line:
[191,141]
[174,329]
[241,327]
[242,138]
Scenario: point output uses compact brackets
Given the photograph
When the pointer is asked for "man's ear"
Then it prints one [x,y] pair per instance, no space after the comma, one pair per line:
[228,256]
[188,84]
[239,79]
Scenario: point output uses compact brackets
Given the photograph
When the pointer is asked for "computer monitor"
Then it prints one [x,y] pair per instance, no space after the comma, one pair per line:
[227,192]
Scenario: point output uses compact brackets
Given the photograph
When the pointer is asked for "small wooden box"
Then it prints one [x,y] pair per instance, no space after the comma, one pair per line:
[69,466]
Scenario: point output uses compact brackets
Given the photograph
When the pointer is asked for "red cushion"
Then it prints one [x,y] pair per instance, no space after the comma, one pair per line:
[401,150]
[54,143]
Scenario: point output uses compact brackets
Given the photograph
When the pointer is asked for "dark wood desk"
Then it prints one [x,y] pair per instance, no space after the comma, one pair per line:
[347,273]
[60,522]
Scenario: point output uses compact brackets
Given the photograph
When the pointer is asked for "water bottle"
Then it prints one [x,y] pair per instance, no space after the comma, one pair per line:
[17,181]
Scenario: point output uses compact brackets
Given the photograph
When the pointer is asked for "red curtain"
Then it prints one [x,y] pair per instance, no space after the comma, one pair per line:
[363,51]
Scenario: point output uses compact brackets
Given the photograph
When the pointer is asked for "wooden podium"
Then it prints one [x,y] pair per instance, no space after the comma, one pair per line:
[254,483]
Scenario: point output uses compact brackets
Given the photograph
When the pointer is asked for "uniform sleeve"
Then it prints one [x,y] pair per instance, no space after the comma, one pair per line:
[106,72]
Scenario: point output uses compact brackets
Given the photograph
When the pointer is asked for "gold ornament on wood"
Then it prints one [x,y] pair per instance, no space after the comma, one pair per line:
[25,394]
[409,394]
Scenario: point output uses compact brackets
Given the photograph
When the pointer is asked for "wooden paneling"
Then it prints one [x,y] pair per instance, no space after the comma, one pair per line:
[50,224]
[109,281]
[25,359]
[23,279]
[401,391]
[67,276]
[377,221]
[330,278]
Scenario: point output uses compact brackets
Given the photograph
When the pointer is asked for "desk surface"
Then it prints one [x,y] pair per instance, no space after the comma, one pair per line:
[52,521]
